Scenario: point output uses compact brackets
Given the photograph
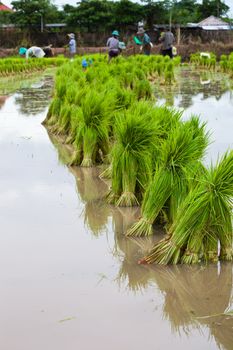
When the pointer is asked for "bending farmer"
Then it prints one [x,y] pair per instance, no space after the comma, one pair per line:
[33,51]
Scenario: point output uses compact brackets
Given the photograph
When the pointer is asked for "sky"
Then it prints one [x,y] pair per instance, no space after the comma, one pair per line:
[73,2]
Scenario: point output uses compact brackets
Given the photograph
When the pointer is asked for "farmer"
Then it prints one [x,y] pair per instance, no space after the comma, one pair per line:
[113,45]
[48,51]
[72,45]
[167,39]
[144,41]
[33,51]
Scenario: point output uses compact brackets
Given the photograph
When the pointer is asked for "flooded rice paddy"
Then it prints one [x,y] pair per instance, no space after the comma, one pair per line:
[69,278]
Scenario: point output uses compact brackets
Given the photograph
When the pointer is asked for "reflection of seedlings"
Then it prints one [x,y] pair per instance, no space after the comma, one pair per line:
[193,292]
[64,151]
[3,100]
[92,190]
[34,100]
[96,215]
[190,83]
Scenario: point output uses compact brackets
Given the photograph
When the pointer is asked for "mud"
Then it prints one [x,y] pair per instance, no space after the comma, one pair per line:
[69,277]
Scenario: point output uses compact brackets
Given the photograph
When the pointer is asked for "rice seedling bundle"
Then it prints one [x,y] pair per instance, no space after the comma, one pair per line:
[132,155]
[204,219]
[92,134]
[176,161]
[10,66]
[143,90]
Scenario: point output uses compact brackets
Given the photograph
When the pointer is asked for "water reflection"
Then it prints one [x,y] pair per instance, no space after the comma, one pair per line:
[3,100]
[191,83]
[34,99]
[91,190]
[194,296]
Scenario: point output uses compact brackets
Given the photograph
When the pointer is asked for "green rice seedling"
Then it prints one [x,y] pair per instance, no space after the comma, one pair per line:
[127,80]
[169,72]
[177,160]
[60,87]
[80,94]
[64,118]
[224,63]
[131,157]
[143,90]
[53,112]
[140,74]
[203,219]
[92,134]
[74,123]
[123,98]
[71,93]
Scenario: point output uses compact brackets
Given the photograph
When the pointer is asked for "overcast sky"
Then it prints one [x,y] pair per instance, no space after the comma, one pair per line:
[73,2]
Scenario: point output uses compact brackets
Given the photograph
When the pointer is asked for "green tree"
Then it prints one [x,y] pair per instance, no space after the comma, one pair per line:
[33,13]
[156,12]
[127,13]
[213,7]
[90,15]
[185,11]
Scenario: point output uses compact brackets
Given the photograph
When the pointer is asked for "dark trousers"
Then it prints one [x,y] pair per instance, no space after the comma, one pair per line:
[167,52]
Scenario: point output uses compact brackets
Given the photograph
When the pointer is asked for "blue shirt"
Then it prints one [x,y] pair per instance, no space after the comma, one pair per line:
[146,39]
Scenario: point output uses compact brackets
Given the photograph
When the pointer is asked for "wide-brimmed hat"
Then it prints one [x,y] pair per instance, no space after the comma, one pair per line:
[22,51]
[141,31]
[71,35]
[116,33]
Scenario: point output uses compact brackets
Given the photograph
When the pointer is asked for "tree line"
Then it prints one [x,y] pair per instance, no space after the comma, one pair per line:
[104,15]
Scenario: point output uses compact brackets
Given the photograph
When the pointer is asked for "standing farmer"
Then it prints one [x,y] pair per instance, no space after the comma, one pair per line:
[113,45]
[72,45]
[167,39]
[145,41]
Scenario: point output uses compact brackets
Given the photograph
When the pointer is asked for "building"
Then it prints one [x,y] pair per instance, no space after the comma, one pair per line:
[4,7]
[211,23]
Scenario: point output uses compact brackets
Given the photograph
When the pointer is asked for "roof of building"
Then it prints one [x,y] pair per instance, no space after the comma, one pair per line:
[4,7]
[212,21]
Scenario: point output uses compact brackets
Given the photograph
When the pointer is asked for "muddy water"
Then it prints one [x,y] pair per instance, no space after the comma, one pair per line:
[69,278]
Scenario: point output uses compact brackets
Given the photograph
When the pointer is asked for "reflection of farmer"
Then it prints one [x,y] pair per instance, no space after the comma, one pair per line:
[72,44]
[167,39]
[144,40]
[3,100]
[113,45]
[33,51]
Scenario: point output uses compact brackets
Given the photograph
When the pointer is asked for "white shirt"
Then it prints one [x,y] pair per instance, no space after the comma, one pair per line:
[35,51]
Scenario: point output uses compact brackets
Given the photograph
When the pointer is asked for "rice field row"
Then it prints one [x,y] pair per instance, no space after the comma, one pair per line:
[153,157]
[14,66]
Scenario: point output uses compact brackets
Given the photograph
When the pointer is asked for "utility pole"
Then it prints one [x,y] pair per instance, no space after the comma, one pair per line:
[41,23]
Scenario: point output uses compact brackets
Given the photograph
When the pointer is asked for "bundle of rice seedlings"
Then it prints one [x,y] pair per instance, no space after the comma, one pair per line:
[92,138]
[131,156]
[127,80]
[73,125]
[143,90]
[64,118]
[123,98]
[177,162]
[204,215]
[53,112]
